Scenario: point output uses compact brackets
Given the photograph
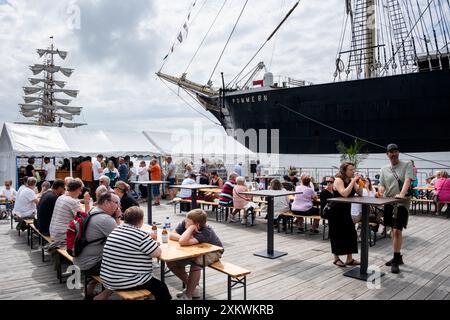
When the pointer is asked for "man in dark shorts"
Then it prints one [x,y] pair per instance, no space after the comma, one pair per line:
[395,181]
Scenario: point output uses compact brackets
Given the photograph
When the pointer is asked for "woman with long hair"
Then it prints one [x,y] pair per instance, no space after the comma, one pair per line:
[342,230]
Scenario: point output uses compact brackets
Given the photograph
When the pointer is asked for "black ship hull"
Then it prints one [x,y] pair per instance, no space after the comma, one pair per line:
[412,110]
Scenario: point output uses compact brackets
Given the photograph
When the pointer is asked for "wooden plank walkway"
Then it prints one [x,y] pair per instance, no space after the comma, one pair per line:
[306,272]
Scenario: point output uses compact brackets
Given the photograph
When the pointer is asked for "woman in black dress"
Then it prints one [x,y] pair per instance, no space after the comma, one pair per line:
[342,230]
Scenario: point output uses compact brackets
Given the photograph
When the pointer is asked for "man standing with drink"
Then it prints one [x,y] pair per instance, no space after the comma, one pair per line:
[395,181]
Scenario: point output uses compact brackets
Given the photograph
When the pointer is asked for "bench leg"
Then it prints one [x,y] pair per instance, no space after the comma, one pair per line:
[245,287]
[28,235]
[42,249]
[31,239]
[229,288]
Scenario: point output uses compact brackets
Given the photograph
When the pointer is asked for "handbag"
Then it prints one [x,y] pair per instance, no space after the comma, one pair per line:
[327,210]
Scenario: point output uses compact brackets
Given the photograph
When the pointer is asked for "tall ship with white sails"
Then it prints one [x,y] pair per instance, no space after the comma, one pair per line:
[46,101]
[391,83]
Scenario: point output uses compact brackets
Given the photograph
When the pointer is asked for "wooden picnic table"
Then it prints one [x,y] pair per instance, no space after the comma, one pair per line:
[194,188]
[173,251]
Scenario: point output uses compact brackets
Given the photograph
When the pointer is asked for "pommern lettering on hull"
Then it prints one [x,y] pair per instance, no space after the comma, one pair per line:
[250,99]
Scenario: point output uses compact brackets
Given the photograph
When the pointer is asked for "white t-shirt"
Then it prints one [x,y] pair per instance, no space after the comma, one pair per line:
[143,174]
[51,171]
[95,166]
[25,205]
[357,207]
[10,194]
[186,193]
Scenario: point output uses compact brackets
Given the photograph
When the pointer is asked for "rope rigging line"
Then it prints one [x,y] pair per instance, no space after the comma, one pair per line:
[275,41]
[407,4]
[419,19]
[185,19]
[351,135]
[184,100]
[226,44]
[206,35]
[267,40]
[444,25]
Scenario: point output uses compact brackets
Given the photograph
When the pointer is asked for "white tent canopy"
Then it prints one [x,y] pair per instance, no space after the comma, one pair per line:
[19,140]
[212,145]
[185,143]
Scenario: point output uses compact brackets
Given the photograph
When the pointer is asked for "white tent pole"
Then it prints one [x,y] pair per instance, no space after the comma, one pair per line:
[70,161]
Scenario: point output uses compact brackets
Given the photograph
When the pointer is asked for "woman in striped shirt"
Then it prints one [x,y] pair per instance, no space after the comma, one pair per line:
[127,258]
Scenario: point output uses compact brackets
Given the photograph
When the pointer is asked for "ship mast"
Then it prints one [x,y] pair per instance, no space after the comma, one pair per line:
[369,67]
[45,108]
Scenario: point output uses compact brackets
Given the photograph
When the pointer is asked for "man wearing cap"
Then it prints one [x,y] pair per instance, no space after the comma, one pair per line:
[395,180]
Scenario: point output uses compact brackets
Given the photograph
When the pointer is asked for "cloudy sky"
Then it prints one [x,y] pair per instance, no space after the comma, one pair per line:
[116,47]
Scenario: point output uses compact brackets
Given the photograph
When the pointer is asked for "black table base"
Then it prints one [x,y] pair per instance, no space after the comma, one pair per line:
[274,255]
[368,276]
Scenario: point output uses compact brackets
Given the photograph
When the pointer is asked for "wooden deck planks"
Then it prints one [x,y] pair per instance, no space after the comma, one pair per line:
[306,272]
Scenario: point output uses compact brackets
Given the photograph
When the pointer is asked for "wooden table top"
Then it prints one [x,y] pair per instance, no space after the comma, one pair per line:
[216,190]
[195,186]
[270,193]
[173,251]
[425,188]
[149,182]
[366,200]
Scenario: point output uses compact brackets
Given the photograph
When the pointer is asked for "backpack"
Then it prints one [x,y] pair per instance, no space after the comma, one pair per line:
[76,233]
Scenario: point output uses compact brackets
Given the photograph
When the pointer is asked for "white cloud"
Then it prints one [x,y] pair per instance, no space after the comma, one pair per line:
[120,45]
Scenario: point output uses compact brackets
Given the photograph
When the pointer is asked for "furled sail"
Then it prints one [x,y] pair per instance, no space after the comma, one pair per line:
[62,101]
[31,99]
[35,81]
[29,114]
[29,107]
[65,116]
[31,90]
[76,111]
[66,71]
[62,54]
[38,68]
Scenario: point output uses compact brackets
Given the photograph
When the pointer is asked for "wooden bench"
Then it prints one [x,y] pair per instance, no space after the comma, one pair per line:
[214,205]
[140,294]
[223,212]
[236,275]
[420,202]
[372,225]
[42,239]
[289,216]
[29,223]
[177,201]
[62,253]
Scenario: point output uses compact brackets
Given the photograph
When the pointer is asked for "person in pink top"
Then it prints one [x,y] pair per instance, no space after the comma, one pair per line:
[442,193]
[303,204]
[241,201]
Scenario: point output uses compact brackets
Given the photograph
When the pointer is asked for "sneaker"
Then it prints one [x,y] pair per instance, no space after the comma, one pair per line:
[395,268]
[389,263]
[195,295]
[184,297]
[244,222]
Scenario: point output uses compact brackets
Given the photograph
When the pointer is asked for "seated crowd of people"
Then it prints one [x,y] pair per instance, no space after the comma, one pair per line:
[117,249]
